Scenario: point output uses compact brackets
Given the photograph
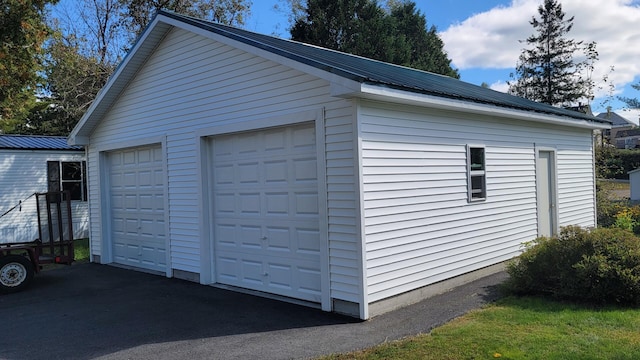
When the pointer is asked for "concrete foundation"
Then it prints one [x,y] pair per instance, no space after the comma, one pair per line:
[186,275]
[414,296]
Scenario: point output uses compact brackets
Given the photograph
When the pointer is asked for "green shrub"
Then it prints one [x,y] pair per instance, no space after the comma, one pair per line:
[607,208]
[600,266]
[612,163]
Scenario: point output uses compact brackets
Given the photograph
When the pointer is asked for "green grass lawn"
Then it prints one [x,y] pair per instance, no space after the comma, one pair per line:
[523,328]
[81,254]
[81,250]
[614,185]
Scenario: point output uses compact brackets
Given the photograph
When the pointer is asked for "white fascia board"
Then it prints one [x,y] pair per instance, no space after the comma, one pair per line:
[380,93]
[121,76]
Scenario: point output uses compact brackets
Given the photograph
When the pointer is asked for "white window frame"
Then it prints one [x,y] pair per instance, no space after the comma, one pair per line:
[475,173]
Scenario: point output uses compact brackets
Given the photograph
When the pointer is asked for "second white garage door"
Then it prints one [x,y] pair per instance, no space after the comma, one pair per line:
[136,180]
[265,211]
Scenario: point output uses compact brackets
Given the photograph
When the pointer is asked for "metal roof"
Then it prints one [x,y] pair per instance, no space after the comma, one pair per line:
[355,68]
[37,142]
[616,120]
[375,72]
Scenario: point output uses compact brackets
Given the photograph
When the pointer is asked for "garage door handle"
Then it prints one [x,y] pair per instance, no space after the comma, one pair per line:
[264,238]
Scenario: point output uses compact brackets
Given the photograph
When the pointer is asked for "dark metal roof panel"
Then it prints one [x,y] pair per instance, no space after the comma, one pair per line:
[616,120]
[380,73]
[27,142]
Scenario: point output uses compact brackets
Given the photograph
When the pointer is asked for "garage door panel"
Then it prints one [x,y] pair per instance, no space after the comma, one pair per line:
[299,278]
[306,203]
[277,203]
[225,203]
[275,140]
[265,211]
[308,241]
[137,207]
[277,239]
[275,172]
[249,237]
[227,269]
[263,230]
[307,277]
[305,170]
[249,203]
[247,173]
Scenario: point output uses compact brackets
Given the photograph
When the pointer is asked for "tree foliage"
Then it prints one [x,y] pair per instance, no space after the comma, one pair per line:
[546,72]
[73,80]
[398,34]
[91,38]
[633,103]
[136,14]
[23,33]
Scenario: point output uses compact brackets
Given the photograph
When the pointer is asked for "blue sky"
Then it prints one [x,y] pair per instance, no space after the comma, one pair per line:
[481,37]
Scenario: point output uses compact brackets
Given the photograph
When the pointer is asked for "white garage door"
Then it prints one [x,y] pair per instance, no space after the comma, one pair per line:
[265,210]
[137,207]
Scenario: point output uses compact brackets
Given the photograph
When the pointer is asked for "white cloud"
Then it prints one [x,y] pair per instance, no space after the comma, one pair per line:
[499,86]
[490,40]
[631,115]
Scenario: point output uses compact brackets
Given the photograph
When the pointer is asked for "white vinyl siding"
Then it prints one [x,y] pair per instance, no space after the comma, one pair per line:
[22,173]
[419,226]
[191,83]
[575,186]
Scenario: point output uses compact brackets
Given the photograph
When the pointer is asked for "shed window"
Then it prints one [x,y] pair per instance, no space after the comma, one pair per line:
[476,174]
[68,176]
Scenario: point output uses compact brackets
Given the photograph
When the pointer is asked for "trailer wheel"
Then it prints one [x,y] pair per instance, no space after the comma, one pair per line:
[15,273]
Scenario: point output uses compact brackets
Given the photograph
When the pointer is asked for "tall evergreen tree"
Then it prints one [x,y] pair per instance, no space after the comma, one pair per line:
[426,49]
[362,27]
[546,72]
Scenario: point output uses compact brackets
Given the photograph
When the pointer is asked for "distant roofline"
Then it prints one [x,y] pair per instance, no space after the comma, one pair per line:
[36,142]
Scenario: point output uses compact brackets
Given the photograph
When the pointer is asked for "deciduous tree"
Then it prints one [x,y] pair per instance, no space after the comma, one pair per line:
[73,80]
[138,13]
[23,32]
[89,42]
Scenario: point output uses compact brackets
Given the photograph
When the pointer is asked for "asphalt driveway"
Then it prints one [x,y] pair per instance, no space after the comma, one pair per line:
[90,311]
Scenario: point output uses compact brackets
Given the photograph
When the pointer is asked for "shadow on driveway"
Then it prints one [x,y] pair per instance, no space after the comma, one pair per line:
[90,311]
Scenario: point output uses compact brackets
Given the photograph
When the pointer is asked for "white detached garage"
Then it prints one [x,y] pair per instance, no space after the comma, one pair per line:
[242,160]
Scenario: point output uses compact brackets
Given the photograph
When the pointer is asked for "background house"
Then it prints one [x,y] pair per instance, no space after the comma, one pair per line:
[30,164]
[254,163]
[623,133]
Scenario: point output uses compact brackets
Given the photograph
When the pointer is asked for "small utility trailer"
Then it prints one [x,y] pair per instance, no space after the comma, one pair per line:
[19,261]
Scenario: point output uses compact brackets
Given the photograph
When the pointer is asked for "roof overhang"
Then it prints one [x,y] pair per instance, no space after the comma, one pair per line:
[382,93]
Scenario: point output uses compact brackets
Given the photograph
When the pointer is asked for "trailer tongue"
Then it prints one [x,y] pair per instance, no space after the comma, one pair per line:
[20,261]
